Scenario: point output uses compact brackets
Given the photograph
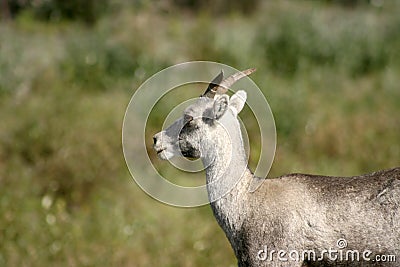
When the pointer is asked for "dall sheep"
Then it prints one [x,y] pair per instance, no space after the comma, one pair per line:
[292,220]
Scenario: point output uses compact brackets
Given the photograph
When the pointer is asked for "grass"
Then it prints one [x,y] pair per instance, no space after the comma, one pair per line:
[66,197]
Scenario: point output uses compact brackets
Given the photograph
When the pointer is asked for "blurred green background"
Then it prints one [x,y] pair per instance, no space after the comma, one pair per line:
[329,69]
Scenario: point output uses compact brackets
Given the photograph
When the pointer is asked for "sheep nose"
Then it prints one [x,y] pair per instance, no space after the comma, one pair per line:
[155,139]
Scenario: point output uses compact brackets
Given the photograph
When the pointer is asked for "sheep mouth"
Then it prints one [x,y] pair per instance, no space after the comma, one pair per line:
[160,150]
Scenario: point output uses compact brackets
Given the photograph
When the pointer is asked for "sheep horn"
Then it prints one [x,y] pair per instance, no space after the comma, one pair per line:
[218,87]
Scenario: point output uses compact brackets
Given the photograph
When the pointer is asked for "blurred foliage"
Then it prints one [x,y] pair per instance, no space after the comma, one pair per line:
[329,72]
[85,10]
[307,41]
[217,7]
[353,3]
[94,63]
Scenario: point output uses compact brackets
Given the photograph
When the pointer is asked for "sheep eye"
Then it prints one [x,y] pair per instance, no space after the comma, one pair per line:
[187,118]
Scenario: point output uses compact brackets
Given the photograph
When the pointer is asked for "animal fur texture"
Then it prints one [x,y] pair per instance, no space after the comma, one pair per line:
[295,213]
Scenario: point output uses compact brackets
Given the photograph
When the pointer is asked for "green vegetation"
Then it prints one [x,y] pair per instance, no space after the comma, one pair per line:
[330,73]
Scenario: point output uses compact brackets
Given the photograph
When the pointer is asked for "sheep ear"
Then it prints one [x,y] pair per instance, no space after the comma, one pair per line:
[237,101]
[220,106]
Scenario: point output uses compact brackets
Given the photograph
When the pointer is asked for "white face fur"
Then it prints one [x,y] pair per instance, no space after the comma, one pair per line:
[200,124]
